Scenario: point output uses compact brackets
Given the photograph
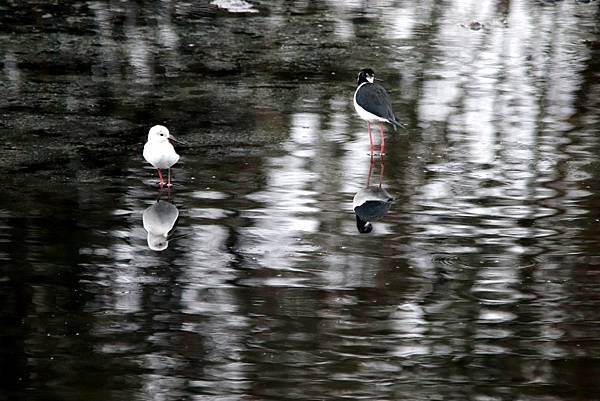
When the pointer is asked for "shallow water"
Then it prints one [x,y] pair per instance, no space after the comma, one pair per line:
[479,283]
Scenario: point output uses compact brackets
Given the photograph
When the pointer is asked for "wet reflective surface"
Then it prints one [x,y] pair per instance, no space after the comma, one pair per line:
[480,282]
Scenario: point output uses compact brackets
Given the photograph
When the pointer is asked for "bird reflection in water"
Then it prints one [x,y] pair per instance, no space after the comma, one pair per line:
[159,220]
[372,202]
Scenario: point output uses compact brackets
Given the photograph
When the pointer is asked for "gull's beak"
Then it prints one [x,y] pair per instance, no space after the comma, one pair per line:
[172,138]
[171,237]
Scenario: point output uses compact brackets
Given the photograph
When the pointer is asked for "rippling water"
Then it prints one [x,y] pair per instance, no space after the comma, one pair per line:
[478,283]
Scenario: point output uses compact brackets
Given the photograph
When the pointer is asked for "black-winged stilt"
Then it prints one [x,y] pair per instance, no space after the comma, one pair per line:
[372,103]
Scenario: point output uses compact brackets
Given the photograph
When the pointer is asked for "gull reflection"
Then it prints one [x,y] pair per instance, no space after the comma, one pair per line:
[372,202]
[159,220]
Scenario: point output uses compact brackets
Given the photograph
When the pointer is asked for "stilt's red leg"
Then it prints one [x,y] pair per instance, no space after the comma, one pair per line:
[162,182]
[169,182]
[370,137]
[370,171]
[381,168]
[382,146]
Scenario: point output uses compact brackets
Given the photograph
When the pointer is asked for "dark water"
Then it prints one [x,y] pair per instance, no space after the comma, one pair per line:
[482,282]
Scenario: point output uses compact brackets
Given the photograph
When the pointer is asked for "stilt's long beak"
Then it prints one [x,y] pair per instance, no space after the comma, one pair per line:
[378,79]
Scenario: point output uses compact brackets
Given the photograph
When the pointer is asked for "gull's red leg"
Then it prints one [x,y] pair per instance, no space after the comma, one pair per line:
[382,139]
[169,182]
[370,137]
[162,182]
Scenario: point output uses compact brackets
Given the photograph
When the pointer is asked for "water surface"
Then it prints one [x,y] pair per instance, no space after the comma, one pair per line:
[479,283]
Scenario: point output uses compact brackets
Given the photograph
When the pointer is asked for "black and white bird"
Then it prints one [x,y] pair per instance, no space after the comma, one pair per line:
[372,103]
[370,204]
[159,152]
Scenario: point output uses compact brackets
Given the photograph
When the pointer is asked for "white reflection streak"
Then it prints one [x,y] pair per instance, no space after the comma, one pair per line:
[12,72]
[355,162]
[334,136]
[167,36]
[539,57]
[107,58]
[465,73]
[137,48]
[499,122]
[138,53]
[288,199]
[209,258]
[563,55]
[401,22]
[221,333]
[159,387]
[342,26]
[518,109]
[479,80]
[409,324]
[460,93]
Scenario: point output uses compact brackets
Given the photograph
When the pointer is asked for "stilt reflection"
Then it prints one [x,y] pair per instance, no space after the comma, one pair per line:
[372,202]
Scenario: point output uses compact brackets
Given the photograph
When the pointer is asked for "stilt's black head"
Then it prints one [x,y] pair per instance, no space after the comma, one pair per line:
[365,75]
[364,227]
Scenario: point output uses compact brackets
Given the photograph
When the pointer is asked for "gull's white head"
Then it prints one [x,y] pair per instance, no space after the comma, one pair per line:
[158,133]
[157,242]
